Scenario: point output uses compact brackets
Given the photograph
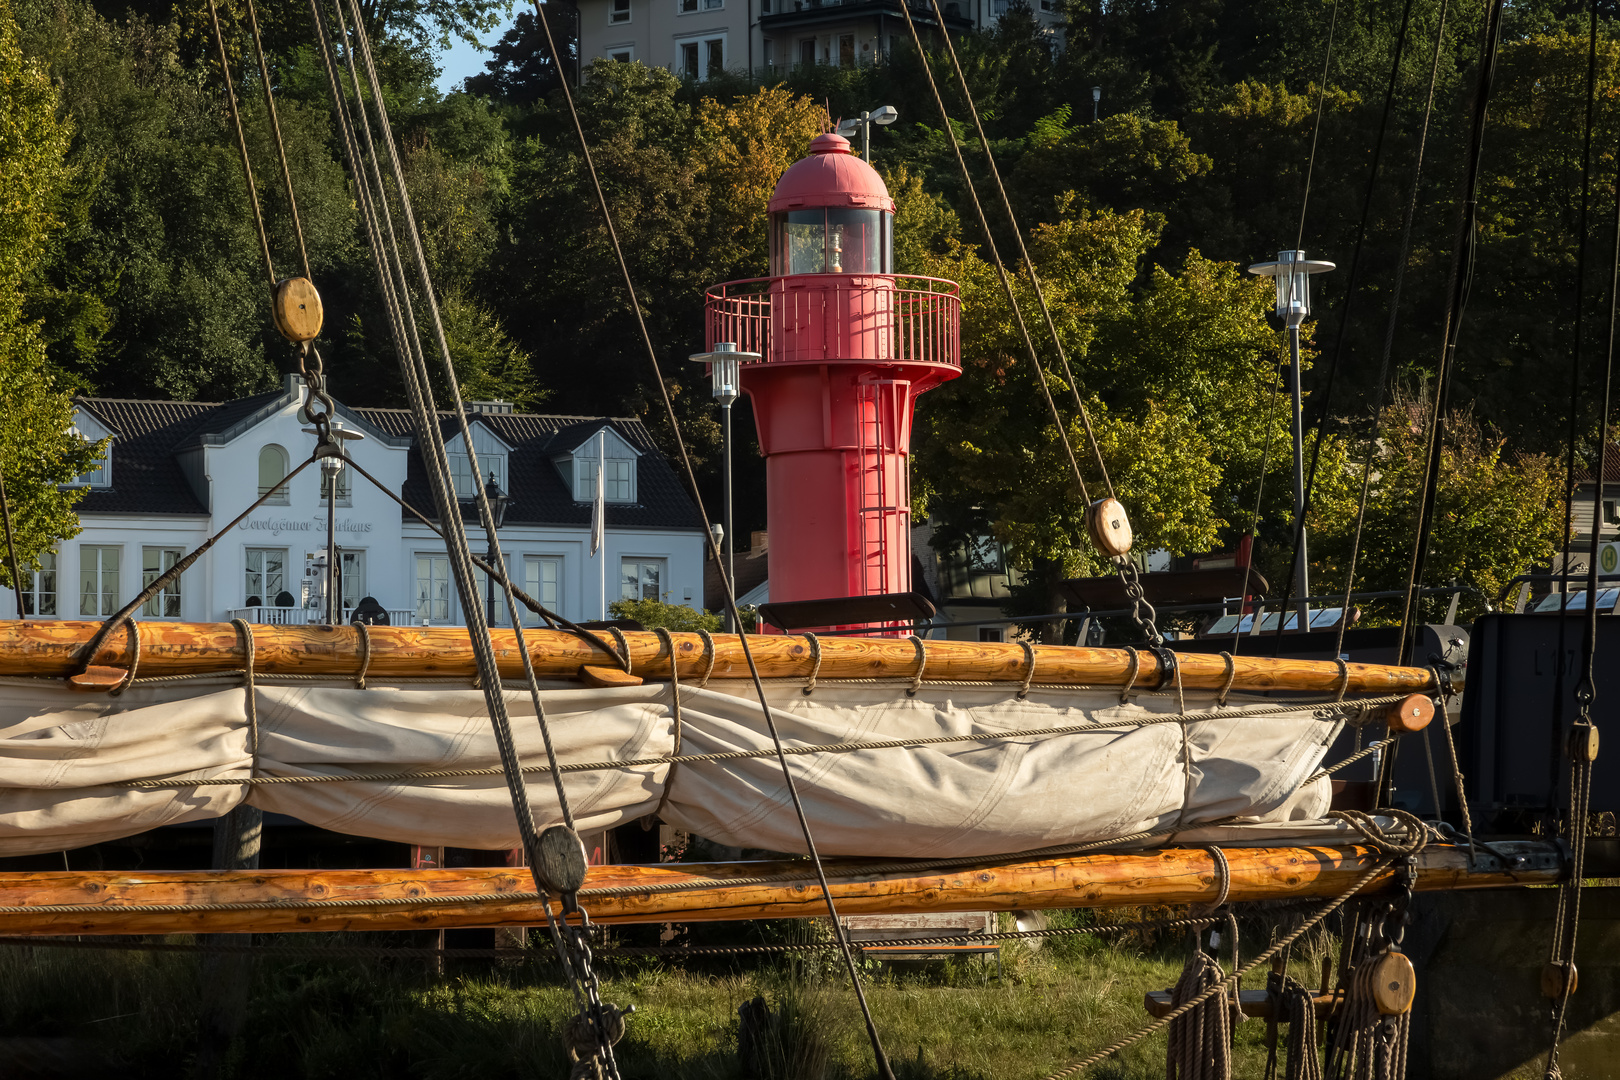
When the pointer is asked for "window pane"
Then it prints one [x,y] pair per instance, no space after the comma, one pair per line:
[717,57]
[856,240]
[804,234]
[272,468]
[846,51]
[689,59]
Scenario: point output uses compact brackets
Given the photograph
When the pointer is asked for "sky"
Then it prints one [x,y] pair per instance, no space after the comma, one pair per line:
[462,60]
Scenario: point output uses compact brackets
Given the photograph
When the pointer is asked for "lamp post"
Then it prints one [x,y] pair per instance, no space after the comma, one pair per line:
[331,471]
[1292,274]
[1096,99]
[725,364]
[863,124]
[498,501]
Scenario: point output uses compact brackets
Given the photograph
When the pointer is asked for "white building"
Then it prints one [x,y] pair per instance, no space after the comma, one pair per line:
[697,38]
[177,471]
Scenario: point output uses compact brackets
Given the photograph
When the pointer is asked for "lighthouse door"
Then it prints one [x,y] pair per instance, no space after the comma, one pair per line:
[883,512]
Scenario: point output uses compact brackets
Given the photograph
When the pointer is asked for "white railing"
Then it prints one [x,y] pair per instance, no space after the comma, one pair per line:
[298,616]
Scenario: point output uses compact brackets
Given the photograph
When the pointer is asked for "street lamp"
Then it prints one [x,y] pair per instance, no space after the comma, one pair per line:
[1292,274]
[863,124]
[498,501]
[725,370]
[1096,99]
[332,458]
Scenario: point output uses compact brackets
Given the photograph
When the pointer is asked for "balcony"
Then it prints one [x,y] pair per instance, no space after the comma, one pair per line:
[791,14]
[817,318]
[299,616]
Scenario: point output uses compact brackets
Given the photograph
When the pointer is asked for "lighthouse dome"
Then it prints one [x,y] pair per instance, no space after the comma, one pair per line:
[830,177]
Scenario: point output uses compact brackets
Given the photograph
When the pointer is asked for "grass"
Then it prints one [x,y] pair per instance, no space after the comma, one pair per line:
[138,1012]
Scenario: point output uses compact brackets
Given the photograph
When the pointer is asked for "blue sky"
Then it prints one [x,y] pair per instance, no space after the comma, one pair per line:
[462,60]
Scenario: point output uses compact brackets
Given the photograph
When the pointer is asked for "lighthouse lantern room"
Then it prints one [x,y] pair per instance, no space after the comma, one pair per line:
[845,346]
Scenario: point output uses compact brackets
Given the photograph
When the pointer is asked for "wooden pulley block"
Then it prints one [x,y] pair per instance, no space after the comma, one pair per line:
[1583,742]
[1110,529]
[1394,983]
[561,860]
[1412,714]
[1554,976]
[296,307]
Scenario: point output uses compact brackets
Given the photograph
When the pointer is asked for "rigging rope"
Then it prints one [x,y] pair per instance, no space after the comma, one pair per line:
[1382,385]
[281,148]
[241,144]
[1462,272]
[727,584]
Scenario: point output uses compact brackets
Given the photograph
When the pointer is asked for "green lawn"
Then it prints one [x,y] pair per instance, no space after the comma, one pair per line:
[137,1011]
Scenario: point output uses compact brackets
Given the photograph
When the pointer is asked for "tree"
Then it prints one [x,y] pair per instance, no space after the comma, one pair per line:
[38,449]
[680,618]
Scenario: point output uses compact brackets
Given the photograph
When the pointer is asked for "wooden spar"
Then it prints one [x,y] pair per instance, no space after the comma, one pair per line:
[52,648]
[1163,876]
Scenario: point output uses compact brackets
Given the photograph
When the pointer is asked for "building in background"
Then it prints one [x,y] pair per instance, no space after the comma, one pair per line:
[177,471]
[699,38]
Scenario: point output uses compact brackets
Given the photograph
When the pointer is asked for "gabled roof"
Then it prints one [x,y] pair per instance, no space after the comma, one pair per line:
[1611,469]
[146,474]
[540,493]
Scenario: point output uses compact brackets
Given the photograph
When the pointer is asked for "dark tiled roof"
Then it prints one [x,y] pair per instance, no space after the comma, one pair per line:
[750,572]
[1611,468]
[146,475]
[540,493]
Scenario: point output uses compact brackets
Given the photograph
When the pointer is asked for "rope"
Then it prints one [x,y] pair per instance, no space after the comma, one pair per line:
[134,656]
[922,663]
[365,655]
[1200,1043]
[245,632]
[281,148]
[815,663]
[1180,1010]
[1371,748]
[1231,675]
[1462,272]
[1319,713]
[1130,675]
[727,585]
[1366,1044]
[1382,385]
[668,642]
[709,657]
[241,145]
[1344,678]
[1029,668]
[11,548]
[624,649]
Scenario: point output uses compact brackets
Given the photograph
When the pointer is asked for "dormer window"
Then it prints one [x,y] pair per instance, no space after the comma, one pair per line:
[492,454]
[618,460]
[90,430]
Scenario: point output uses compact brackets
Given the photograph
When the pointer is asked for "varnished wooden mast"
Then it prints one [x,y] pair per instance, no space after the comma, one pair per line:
[53,648]
[1166,876]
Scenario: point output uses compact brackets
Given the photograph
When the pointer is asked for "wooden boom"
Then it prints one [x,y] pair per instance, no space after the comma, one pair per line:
[53,648]
[277,901]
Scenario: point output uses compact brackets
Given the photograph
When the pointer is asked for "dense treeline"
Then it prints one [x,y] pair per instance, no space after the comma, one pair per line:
[149,280]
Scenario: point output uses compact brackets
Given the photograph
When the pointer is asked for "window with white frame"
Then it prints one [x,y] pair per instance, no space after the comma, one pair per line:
[433,588]
[542,577]
[101,475]
[343,482]
[491,462]
[266,576]
[769,45]
[39,587]
[642,579]
[88,428]
[154,561]
[272,470]
[621,53]
[98,579]
[618,480]
[1611,512]
[352,575]
[714,56]
[619,11]
[690,6]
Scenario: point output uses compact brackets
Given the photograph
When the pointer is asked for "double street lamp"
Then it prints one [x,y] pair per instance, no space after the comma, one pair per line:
[863,124]
[725,375]
[1292,274]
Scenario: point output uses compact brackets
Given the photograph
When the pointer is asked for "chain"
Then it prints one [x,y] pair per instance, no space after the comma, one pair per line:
[1142,612]
[316,393]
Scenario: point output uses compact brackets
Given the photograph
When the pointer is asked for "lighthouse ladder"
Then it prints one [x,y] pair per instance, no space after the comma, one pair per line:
[884,498]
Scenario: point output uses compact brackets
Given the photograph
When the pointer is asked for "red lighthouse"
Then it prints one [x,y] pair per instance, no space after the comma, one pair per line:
[845,346]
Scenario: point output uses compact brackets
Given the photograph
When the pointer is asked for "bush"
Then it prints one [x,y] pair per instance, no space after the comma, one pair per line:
[652,613]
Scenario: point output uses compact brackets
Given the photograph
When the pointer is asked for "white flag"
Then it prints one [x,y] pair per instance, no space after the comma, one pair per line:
[598,501]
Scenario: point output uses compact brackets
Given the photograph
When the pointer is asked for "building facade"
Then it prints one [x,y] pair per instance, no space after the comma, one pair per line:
[699,38]
[178,471]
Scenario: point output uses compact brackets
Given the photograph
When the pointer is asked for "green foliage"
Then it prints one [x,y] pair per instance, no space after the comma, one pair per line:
[651,613]
[38,449]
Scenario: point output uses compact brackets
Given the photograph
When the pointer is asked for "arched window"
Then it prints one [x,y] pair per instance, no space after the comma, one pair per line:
[272,468]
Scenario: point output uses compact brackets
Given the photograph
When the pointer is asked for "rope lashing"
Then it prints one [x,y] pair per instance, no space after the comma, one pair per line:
[667,641]
[922,664]
[709,657]
[134,655]
[1231,676]
[1130,675]
[1029,668]
[1200,1045]
[1223,878]
[624,649]
[365,655]
[815,663]
[1344,678]
[245,631]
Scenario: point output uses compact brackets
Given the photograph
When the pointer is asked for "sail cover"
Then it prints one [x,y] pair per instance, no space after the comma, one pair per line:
[67,758]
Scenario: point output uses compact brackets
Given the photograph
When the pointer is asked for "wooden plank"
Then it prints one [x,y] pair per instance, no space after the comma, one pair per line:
[52,648]
[1164,876]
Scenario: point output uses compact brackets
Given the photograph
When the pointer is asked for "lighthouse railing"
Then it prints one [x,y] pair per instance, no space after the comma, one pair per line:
[822,317]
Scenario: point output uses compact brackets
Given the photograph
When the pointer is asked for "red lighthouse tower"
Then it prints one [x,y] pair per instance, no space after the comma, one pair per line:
[845,346]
